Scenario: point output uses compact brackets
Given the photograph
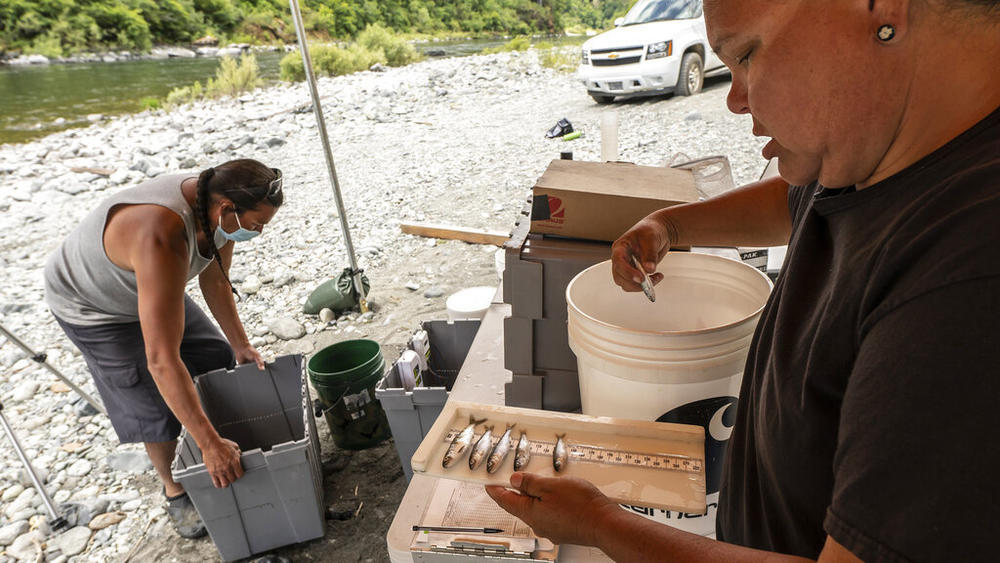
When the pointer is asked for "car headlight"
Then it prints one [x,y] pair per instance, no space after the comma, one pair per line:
[659,50]
[586,58]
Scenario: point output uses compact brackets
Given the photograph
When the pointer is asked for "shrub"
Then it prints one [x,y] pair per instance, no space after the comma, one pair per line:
[232,77]
[398,51]
[323,57]
[179,96]
[150,102]
[291,66]
[346,60]
[563,60]
[519,43]
[331,60]
[49,45]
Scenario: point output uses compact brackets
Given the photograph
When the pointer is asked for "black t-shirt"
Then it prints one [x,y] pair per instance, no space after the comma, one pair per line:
[869,404]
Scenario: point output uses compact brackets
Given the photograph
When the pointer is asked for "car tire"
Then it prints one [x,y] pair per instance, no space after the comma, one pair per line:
[692,75]
[601,98]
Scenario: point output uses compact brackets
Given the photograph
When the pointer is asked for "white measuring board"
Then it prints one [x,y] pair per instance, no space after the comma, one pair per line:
[653,464]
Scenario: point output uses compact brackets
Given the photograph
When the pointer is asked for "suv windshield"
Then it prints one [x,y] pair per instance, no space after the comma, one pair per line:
[646,11]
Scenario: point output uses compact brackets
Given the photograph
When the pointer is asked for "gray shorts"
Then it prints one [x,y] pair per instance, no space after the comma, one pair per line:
[116,356]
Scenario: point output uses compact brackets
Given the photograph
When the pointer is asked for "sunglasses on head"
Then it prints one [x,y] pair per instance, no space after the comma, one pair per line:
[274,187]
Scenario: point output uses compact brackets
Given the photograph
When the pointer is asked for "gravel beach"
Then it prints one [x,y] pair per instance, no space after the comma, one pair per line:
[456,141]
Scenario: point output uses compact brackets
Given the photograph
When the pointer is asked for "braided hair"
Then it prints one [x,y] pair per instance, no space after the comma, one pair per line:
[247,183]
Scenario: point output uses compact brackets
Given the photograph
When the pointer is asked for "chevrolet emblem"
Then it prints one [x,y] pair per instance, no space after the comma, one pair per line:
[613,56]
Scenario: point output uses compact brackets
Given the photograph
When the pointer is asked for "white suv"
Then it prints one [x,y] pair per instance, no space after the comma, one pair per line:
[659,46]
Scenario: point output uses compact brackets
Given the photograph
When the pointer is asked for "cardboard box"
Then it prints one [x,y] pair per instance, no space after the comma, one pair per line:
[602,200]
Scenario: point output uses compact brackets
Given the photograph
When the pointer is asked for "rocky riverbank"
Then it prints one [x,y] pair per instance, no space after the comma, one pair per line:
[455,141]
[155,54]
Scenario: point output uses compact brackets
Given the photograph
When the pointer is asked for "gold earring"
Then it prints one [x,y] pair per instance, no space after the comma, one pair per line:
[886,32]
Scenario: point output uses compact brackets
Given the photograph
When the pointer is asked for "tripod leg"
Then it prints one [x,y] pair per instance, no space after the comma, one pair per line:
[55,521]
[40,358]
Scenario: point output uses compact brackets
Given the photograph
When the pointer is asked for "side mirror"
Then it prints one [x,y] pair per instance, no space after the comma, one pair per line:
[619,22]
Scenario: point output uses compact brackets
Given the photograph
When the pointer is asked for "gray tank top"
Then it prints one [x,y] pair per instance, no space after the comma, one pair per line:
[83,286]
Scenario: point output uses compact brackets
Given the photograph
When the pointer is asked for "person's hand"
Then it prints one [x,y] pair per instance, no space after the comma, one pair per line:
[248,354]
[222,460]
[562,509]
[649,240]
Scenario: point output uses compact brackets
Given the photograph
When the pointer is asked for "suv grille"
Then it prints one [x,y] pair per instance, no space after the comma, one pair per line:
[615,62]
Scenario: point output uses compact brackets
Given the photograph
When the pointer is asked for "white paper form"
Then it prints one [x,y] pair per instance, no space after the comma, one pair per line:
[464,504]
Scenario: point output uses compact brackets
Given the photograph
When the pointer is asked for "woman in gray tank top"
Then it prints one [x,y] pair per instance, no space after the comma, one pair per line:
[116,287]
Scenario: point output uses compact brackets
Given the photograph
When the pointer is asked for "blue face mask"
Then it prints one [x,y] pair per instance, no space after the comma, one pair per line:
[239,235]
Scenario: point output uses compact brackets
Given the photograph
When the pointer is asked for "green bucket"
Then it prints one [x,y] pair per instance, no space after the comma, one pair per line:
[345,375]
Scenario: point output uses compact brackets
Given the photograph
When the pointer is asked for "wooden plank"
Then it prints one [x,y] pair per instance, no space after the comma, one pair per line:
[476,236]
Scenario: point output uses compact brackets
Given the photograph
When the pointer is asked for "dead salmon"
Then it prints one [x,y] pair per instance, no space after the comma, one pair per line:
[499,452]
[523,454]
[559,454]
[461,442]
[482,448]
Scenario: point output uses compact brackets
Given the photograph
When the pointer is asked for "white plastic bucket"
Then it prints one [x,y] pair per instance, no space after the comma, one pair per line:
[469,303]
[679,359]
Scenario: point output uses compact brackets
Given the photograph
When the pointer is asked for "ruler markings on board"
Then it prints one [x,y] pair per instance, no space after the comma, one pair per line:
[596,454]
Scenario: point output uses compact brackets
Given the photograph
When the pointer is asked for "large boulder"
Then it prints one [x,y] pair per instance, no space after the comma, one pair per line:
[206,41]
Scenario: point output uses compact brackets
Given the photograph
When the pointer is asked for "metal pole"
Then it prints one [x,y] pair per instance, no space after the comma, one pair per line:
[55,521]
[300,31]
[41,359]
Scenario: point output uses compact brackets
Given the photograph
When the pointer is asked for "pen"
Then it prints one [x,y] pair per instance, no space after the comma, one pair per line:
[457,529]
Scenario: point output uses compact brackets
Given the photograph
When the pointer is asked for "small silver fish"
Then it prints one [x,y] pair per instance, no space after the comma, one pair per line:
[523,454]
[461,442]
[499,451]
[647,284]
[559,454]
[482,448]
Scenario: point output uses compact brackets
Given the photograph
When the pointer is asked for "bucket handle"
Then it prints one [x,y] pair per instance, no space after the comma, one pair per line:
[319,411]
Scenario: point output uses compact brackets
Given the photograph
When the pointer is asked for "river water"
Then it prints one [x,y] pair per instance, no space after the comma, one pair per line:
[38,100]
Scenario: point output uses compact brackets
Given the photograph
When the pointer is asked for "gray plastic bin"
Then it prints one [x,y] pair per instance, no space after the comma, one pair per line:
[411,413]
[536,346]
[279,499]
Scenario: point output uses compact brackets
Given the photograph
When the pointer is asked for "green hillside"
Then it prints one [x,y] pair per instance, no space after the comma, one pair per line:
[62,27]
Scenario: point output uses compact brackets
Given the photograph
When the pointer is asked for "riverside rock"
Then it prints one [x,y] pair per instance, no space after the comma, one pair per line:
[80,513]
[129,462]
[12,492]
[72,541]
[287,328]
[251,284]
[40,472]
[10,532]
[326,315]
[27,546]
[24,391]
[80,468]
[102,521]
[24,501]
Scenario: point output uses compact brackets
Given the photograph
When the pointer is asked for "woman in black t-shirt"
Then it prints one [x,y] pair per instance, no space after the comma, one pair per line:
[866,412]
